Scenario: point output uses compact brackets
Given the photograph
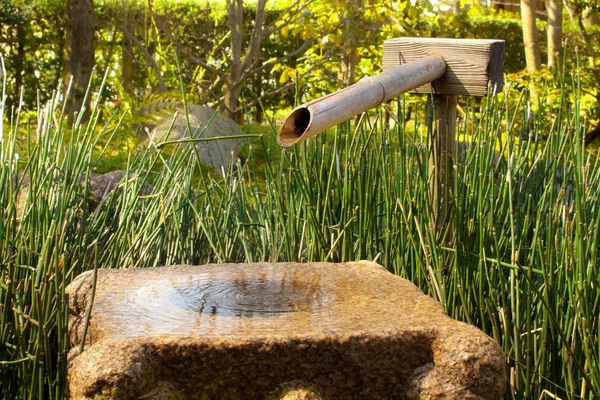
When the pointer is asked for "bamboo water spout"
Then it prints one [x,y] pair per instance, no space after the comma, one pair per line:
[321,114]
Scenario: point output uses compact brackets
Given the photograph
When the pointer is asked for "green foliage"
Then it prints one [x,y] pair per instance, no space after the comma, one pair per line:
[511,32]
[472,25]
[31,44]
[51,214]
[179,32]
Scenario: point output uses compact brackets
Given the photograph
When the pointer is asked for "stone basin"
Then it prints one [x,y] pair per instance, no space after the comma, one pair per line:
[272,331]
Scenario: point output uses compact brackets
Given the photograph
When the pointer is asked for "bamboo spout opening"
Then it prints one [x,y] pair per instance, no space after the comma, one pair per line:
[326,112]
[295,126]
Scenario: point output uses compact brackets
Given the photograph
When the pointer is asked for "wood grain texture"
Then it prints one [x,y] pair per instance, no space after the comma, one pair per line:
[441,163]
[474,66]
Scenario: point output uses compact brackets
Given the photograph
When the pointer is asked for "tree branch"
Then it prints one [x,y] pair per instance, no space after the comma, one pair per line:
[288,86]
[164,28]
[589,48]
[235,14]
[218,84]
[216,97]
[201,63]
[271,93]
[300,6]
[151,60]
[253,50]
[266,65]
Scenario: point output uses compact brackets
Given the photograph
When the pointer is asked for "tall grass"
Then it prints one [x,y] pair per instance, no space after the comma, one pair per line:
[522,265]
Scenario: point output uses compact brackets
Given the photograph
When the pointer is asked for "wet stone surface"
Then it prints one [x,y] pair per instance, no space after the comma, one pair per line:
[272,331]
[251,297]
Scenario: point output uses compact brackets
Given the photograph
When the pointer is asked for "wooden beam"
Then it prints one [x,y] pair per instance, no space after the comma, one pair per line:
[473,65]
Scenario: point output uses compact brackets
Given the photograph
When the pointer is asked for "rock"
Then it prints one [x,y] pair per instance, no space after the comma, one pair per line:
[99,186]
[296,391]
[272,331]
[216,154]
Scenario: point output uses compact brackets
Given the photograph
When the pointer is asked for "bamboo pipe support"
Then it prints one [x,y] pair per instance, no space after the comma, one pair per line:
[321,114]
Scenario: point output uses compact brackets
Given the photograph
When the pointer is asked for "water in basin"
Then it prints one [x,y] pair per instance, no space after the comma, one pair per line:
[248,297]
[227,302]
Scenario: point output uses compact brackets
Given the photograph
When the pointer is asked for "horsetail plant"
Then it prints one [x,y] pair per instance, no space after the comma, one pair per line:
[525,211]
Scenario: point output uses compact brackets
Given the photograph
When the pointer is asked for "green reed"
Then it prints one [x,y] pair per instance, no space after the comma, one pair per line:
[524,209]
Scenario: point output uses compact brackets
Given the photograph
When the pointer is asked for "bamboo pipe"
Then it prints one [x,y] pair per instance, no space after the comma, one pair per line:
[321,114]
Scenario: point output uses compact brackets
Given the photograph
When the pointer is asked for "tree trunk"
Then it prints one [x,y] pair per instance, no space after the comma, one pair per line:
[349,55]
[241,65]
[348,67]
[19,63]
[231,99]
[235,13]
[555,8]
[530,36]
[79,59]
[127,67]
[258,112]
[127,57]
[456,7]
[590,17]
[578,15]
[350,48]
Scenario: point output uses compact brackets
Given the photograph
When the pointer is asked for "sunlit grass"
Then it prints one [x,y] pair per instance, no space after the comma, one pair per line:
[523,264]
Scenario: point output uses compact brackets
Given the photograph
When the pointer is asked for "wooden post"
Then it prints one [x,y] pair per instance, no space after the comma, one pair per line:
[441,162]
[474,66]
